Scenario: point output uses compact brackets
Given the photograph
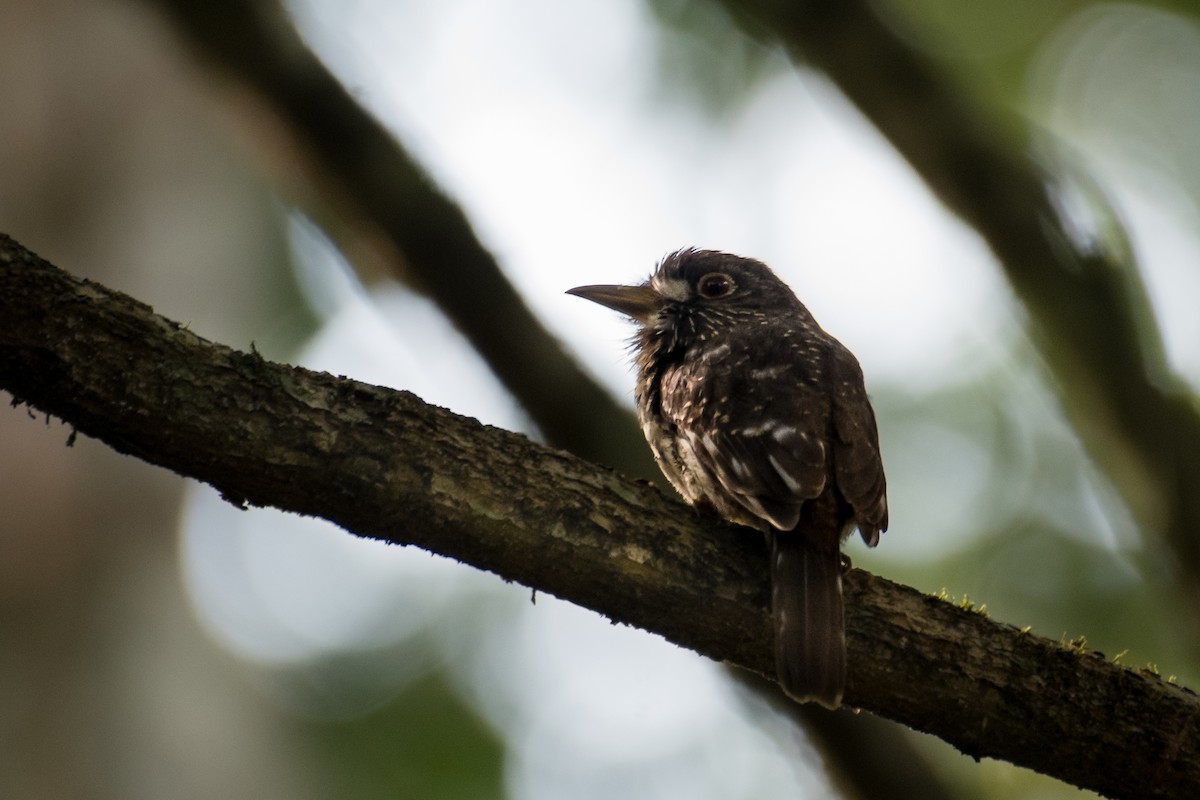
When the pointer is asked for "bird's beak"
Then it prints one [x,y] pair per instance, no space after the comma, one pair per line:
[639,302]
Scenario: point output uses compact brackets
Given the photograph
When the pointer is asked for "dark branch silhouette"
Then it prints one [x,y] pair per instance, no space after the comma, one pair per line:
[364,186]
[382,464]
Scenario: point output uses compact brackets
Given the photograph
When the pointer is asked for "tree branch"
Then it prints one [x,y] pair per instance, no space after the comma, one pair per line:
[382,464]
[374,187]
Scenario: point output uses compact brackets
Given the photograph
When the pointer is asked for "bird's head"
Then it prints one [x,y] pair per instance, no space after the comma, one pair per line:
[694,292]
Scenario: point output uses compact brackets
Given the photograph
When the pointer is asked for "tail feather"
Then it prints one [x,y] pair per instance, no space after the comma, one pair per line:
[810,627]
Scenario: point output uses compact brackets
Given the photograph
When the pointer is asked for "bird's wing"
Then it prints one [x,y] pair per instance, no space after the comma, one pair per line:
[769,470]
[858,468]
[760,442]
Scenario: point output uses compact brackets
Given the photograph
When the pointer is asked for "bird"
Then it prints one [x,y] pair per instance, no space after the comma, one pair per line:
[755,413]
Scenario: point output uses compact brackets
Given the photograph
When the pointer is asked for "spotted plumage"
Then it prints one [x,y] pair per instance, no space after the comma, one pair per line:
[755,412]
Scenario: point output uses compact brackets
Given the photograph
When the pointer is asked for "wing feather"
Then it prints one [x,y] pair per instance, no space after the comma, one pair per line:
[858,468]
[770,472]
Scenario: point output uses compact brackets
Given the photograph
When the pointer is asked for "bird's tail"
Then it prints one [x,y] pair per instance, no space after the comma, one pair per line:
[810,627]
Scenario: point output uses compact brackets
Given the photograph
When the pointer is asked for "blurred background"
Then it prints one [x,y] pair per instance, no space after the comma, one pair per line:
[156,642]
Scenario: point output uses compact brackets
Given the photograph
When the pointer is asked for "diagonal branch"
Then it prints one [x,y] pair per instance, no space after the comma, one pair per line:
[357,170]
[382,464]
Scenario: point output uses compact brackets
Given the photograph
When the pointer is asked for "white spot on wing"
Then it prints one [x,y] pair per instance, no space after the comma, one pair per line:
[716,353]
[767,373]
[788,480]
[757,430]
[783,433]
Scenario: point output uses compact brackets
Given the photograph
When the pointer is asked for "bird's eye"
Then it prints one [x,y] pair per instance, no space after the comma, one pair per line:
[715,284]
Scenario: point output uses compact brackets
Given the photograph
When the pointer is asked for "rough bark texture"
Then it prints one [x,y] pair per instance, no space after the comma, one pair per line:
[385,465]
